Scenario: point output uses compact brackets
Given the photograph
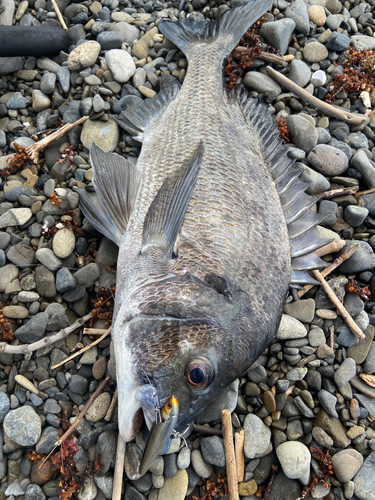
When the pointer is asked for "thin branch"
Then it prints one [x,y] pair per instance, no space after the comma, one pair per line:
[230,461]
[94,331]
[334,193]
[331,333]
[73,427]
[341,309]
[78,353]
[119,468]
[336,263]
[204,429]
[61,19]
[368,191]
[34,151]
[46,341]
[112,406]
[334,111]
[334,246]
[239,454]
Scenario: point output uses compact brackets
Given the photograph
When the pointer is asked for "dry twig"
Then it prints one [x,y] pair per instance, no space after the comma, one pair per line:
[331,333]
[210,431]
[112,406]
[341,309]
[330,110]
[333,247]
[336,263]
[34,151]
[230,461]
[78,353]
[335,193]
[61,19]
[368,191]
[119,468]
[73,427]
[46,341]
[94,331]
[239,453]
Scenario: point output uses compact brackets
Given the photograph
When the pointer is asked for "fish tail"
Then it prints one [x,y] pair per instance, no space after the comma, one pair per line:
[227,30]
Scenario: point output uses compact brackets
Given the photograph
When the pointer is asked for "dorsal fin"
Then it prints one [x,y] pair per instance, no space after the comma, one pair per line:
[166,214]
[116,182]
[137,118]
[301,220]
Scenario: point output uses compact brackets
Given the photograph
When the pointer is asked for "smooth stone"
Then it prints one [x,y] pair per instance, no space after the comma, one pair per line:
[295,460]
[345,372]
[15,217]
[328,402]
[328,160]
[317,182]
[47,440]
[47,257]
[303,133]
[47,83]
[361,163]
[354,215]
[65,281]
[299,72]
[297,11]
[15,312]
[8,274]
[315,52]
[34,329]
[4,406]
[106,446]
[369,364]
[104,134]
[257,436]
[174,488]
[317,14]
[363,42]
[84,56]
[212,448]
[338,42]
[290,328]
[40,101]
[277,33]
[121,64]
[362,387]
[255,80]
[63,243]
[333,427]
[23,426]
[99,408]
[362,260]
[321,437]
[364,481]
[303,310]
[200,466]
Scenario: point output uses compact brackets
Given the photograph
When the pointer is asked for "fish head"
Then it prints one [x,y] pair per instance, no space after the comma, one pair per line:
[189,359]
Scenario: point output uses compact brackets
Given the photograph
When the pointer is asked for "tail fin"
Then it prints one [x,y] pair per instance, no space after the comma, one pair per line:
[230,26]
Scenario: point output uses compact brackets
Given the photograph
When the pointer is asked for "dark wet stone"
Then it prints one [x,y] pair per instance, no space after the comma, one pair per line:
[47,440]
[34,329]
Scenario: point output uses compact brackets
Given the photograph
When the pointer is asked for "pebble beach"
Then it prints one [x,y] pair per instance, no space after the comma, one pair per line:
[306,408]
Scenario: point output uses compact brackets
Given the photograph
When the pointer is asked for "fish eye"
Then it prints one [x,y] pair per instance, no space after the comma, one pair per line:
[199,373]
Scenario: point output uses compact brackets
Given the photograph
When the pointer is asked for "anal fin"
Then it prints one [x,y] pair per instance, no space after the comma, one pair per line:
[166,213]
[116,182]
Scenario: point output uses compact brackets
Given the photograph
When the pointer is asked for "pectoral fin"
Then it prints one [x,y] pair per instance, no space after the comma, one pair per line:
[116,181]
[167,212]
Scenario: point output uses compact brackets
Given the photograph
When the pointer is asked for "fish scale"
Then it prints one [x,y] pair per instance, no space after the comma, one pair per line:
[205,261]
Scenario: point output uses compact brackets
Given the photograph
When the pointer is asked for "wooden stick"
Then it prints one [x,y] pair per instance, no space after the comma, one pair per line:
[73,427]
[341,309]
[61,19]
[239,438]
[325,272]
[334,193]
[334,111]
[204,429]
[331,333]
[112,406]
[94,331]
[119,468]
[34,151]
[27,348]
[96,342]
[230,461]
[368,191]
[333,247]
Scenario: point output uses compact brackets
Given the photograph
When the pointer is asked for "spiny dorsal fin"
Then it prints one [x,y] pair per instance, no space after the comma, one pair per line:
[137,118]
[231,25]
[301,220]
[116,181]
[167,212]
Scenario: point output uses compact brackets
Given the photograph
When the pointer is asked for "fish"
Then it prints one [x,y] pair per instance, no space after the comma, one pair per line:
[213,226]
